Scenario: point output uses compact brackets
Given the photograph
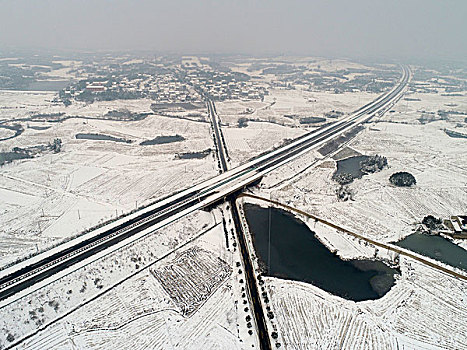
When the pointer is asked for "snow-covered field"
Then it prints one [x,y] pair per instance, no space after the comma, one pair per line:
[245,143]
[312,64]
[420,312]
[423,309]
[183,286]
[56,195]
[20,104]
[269,126]
[307,104]
[286,107]
[131,300]
[389,212]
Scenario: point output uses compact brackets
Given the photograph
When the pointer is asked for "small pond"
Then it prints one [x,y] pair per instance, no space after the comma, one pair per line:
[14,131]
[455,134]
[295,253]
[100,137]
[436,247]
[39,127]
[162,139]
[8,157]
[194,155]
[351,166]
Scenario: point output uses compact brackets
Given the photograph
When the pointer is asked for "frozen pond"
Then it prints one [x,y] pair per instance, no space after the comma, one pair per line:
[295,253]
[195,155]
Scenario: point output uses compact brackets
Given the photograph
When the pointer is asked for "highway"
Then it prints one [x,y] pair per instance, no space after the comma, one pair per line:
[26,274]
[251,287]
[221,151]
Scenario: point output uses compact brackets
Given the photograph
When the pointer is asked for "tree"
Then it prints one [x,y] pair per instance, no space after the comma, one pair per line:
[344,193]
[242,122]
[432,223]
[402,179]
[343,178]
[56,146]
[373,164]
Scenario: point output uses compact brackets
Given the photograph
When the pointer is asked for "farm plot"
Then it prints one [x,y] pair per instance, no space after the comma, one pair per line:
[54,196]
[139,313]
[299,103]
[89,280]
[256,138]
[191,277]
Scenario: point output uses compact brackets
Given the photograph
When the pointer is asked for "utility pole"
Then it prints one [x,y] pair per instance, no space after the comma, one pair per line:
[79,216]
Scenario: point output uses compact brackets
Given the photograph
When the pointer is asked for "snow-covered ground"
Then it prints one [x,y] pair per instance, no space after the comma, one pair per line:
[312,104]
[313,64]
[286,107]
[423,309]
[143,296]
[245,143]
[268,127]
[388,212]
[57,195]
[20,104]
[183,286]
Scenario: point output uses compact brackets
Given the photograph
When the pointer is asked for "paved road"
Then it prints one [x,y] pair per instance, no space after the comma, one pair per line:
[221,151]
[251,286]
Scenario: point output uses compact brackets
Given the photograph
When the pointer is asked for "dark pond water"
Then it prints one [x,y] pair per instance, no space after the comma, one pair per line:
[351,166]
[39,127]
[100,137]
[296,254]
[195,155]
[17,129]
[312,120]
[7,157]
[48,85]
[436,247]
[162,139]
[457,135]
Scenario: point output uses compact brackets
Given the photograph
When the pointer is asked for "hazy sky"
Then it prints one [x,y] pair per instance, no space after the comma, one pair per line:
[360,28]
